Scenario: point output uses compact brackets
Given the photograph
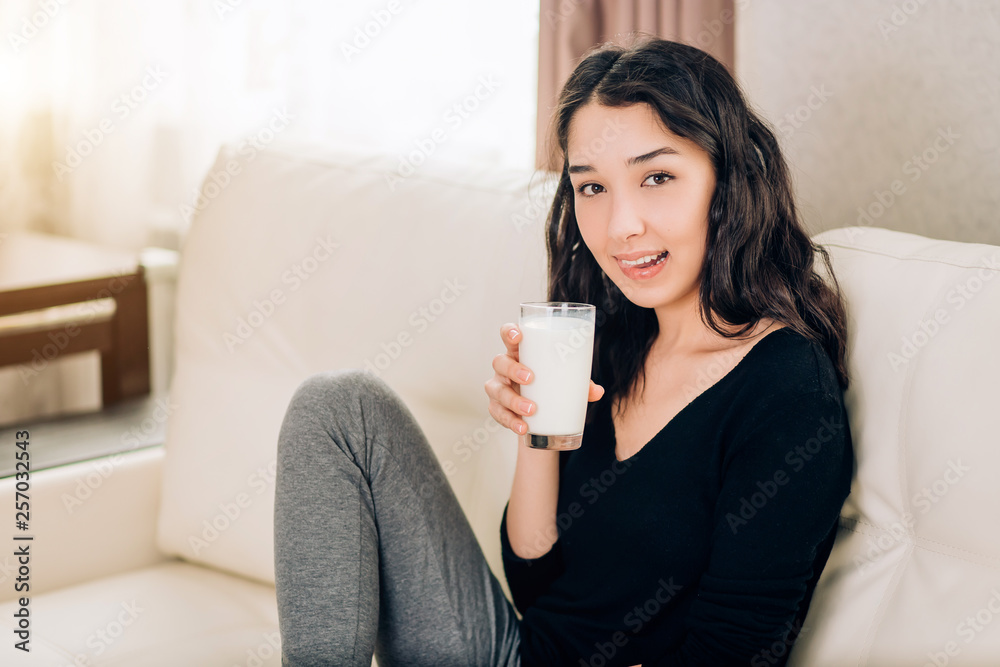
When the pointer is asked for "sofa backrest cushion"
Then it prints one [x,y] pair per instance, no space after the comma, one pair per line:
[304,260]
[918,551]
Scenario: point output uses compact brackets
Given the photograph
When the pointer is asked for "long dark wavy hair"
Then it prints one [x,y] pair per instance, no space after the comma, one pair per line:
[758,260]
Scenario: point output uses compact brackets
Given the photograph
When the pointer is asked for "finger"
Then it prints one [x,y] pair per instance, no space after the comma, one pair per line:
[511,369]
[596,392]
[509,398]
[511,336]
[493,387]
[505,417]
[502,393]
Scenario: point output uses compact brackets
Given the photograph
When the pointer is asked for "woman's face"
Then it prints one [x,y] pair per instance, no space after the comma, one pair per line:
[641,190]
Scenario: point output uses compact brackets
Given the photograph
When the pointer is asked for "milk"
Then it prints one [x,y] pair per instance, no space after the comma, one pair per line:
[558,350]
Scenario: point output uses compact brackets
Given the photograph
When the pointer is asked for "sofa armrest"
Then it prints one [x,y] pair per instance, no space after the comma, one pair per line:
[88,520]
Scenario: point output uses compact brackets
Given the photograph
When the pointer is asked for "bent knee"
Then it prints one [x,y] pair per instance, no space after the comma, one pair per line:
[341,387]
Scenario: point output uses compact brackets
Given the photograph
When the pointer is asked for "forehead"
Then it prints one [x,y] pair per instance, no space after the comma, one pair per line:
[597,132]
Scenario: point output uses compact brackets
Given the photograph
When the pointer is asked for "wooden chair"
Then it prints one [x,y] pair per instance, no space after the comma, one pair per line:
[42,277]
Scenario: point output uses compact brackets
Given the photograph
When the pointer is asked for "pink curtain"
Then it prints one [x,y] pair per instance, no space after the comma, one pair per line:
[569,28]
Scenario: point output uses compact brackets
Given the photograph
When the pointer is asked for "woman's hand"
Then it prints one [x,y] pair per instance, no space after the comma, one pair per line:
[504,388]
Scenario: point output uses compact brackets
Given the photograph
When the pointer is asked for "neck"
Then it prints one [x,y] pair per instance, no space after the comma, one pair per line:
[681,329]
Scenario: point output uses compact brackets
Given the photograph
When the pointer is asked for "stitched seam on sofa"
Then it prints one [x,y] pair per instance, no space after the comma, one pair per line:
[876,530]
[897,574]
[904,411]
[921,542]
[880,610]
[883,605]
[917,258]
[916,542]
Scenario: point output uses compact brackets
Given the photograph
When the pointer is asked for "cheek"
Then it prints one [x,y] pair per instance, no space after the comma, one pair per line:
[590,228]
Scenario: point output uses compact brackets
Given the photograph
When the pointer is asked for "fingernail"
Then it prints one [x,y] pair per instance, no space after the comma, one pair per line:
[519,428]
[514,333]
[525,407]
[523,375]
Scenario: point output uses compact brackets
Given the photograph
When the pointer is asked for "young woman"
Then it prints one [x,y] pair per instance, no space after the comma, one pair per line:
[693,522]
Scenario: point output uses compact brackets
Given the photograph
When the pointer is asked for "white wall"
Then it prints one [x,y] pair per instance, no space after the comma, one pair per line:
[888,81]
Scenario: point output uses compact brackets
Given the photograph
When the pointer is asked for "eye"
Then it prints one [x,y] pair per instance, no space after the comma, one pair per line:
[658,178]
[596,189]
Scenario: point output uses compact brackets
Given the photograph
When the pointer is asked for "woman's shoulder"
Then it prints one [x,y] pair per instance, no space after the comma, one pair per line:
[785,364]
[790,383]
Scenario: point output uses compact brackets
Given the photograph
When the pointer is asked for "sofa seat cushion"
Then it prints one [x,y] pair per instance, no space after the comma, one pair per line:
[170,614]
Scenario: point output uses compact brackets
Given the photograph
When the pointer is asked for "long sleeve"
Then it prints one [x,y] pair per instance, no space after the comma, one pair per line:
[783,487]
[528,578]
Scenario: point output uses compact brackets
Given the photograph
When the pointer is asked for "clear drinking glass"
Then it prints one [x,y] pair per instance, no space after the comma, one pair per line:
[557,344]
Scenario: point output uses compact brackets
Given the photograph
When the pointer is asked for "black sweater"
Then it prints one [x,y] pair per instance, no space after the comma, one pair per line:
[704,547]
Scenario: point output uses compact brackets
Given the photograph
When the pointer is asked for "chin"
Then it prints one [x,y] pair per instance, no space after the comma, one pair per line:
[644,299]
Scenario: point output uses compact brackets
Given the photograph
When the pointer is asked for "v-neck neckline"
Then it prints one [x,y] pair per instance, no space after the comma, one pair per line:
[611,422]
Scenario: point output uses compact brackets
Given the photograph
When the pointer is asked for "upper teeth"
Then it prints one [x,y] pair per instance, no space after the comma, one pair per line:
[641,260]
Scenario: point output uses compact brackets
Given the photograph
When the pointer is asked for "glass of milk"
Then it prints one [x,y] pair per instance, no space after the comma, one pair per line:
[557,344]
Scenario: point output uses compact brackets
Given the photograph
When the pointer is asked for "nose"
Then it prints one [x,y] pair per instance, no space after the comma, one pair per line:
[625,221]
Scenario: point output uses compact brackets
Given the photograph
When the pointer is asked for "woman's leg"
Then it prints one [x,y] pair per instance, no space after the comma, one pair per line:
[372,550]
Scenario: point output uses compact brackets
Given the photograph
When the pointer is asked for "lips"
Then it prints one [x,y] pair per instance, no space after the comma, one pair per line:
[641,261]
[645,269]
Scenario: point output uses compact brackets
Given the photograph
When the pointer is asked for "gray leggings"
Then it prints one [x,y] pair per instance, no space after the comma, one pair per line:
[372,550]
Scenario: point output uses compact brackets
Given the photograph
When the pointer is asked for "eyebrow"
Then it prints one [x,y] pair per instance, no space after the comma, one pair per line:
[631,162]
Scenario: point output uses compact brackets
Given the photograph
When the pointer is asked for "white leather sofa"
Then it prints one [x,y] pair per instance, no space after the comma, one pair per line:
[303,261]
